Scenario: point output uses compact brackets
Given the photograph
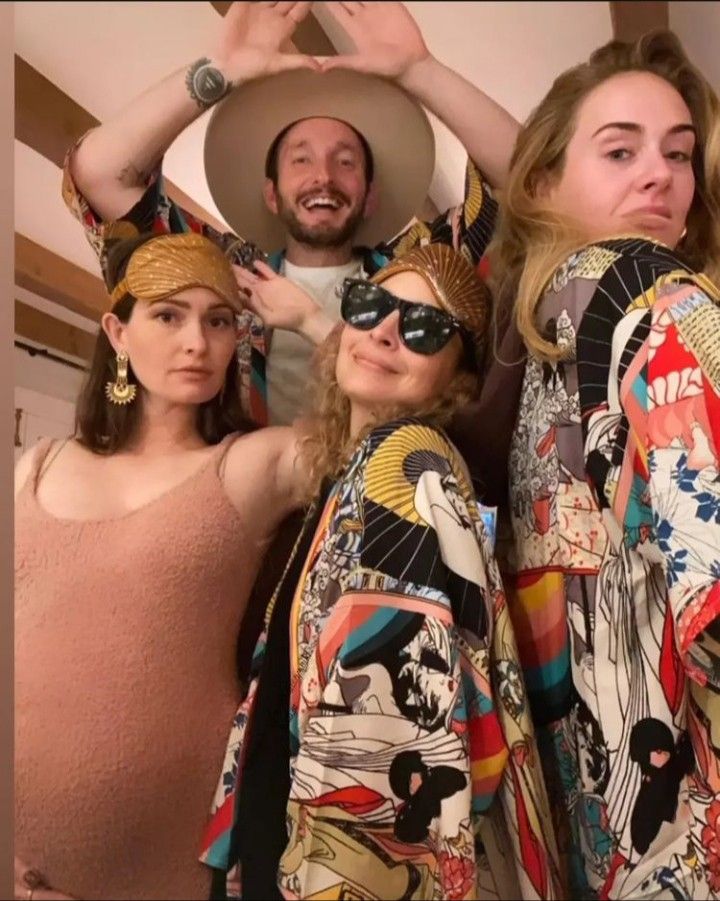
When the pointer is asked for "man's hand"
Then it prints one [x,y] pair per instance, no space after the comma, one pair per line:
[281,304]
[386,38]
[390,44]
[252,38]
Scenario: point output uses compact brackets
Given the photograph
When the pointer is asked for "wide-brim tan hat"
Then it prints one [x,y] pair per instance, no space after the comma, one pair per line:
[244,125]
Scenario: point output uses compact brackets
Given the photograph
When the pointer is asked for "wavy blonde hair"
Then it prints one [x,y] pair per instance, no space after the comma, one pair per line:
[327,445]
[532,241]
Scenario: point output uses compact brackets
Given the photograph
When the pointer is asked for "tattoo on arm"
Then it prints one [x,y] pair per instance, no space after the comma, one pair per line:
[206,84]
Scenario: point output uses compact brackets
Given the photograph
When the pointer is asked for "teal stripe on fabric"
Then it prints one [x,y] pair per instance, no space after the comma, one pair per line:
[176,220]
[474,698]
[550,689]
[639,389]
[275,260]
[218,854]
[257,379]
[550,673]
[259,651]
[375,633]
[480,803]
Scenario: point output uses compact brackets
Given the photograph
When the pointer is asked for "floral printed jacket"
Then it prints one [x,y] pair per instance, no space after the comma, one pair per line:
[615,473]
[414,767]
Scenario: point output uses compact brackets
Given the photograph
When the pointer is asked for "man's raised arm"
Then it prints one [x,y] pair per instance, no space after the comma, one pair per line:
[110,167]
[388,42]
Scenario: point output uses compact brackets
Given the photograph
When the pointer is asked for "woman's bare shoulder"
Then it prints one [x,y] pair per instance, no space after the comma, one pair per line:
[70,447]
[252,466]
[23,468]
[258,449]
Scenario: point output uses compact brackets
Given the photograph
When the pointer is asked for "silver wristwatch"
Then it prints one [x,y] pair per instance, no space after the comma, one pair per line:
[206,83]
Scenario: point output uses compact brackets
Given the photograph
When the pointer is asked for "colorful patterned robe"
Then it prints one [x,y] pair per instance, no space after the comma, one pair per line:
[414,767]
[615,500]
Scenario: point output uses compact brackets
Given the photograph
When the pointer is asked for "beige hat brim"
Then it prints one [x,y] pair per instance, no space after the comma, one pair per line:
[244,125]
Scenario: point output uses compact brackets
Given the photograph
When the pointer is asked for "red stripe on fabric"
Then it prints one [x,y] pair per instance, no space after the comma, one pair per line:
[617,862]
[538,649]
[541,628]
[712,403]
[709,611]
[355,798]
[220,822]
[531,850]
[671,671]
[486,737]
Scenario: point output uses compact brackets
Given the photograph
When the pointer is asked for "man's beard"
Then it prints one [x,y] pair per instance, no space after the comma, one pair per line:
[319,235]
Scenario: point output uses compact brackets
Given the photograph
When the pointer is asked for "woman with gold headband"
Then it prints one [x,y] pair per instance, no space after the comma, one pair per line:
[137,543]
[384,749]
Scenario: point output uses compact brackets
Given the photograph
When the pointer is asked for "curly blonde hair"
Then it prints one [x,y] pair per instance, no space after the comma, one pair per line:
[532,241]
[327,445]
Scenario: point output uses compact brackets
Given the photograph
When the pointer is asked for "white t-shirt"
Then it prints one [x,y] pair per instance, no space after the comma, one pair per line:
[288,363]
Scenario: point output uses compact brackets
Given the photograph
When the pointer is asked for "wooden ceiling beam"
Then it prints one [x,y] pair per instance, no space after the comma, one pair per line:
[43,272]
[50,122]
[631,19]
[47,331]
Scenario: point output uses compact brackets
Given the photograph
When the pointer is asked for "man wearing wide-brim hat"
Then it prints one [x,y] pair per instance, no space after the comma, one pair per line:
[335,195]
[323,165]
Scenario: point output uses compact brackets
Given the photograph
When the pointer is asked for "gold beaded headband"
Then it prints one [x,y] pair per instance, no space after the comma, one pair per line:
[453,281]
[171,263]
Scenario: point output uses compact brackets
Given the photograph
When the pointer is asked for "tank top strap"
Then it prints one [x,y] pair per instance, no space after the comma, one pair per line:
[45,452]
[222,448]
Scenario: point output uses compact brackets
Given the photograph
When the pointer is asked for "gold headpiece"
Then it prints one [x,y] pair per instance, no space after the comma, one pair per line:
[453,281]
[171,263]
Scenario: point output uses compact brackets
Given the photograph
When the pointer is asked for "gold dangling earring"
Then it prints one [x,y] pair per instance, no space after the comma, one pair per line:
[683,233]
[119,391]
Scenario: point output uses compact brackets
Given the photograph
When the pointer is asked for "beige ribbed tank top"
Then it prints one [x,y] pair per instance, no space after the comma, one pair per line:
[125,686]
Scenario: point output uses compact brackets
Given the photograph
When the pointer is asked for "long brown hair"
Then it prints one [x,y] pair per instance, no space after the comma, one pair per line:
[104,427]
[532,241]
[327,445]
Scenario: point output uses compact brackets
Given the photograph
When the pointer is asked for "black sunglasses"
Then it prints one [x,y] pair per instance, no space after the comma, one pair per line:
[424,329]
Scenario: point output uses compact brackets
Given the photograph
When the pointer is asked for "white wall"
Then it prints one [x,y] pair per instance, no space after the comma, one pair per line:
[46,376]
[45,393]
[40,417]
[510,50]
[46,390]
[698,27]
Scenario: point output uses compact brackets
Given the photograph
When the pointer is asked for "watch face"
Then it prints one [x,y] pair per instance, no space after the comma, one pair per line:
[209,83]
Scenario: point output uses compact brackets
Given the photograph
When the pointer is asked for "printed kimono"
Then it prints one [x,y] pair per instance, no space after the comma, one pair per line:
[413,763]
[615,503]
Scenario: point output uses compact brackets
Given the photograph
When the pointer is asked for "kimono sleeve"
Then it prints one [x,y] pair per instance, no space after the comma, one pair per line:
[652,452]
[468,227]
[682,440]
[153,212]
[411,742]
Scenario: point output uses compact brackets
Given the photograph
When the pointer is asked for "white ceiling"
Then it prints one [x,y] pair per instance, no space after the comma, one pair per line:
[104,53]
